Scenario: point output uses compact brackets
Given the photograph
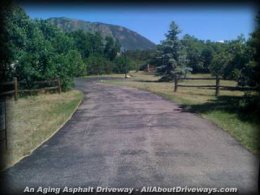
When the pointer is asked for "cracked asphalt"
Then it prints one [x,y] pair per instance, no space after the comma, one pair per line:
[125,137]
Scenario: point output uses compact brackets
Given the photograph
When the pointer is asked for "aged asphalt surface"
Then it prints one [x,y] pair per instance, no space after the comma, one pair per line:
[123,137]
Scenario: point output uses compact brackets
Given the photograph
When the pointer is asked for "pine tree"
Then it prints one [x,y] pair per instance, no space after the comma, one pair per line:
[170,55]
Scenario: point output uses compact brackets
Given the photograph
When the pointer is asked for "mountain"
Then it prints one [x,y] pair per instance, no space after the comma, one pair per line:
[128,39]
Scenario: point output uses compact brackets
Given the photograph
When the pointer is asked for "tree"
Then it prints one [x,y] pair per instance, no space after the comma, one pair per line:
[81,42]
[254,44]
[98,64]
[67,66]
[207,57]
[219,63]
[140,58]
[121,64]
[40,51]
[111,48]
[169,54]
[240,57]
[193,49]
[13,38]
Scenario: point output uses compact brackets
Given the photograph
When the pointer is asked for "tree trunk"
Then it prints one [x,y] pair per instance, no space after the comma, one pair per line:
[175,83]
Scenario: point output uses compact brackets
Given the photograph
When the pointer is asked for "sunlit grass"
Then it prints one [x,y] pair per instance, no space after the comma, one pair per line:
[32,119]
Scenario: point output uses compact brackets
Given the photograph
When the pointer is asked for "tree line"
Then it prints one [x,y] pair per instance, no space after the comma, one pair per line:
[37,50]
[235,59]
[174,56]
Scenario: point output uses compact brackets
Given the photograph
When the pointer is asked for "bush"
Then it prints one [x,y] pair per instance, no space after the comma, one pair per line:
[97,64]
[121,64]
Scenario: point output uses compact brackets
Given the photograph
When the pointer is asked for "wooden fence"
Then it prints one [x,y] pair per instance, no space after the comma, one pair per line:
[15,87]
[217,86]
[13,90]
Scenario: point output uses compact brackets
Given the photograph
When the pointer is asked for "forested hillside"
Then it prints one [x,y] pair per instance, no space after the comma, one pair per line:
[128,39]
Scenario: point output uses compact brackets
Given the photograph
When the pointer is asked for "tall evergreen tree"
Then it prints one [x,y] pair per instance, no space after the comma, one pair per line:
[169,53]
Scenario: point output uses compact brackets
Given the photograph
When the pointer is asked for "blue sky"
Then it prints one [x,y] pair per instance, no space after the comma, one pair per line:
[214,23]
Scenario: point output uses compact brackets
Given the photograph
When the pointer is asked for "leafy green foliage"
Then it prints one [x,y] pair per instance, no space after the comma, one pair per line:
[5,51]
[41,51]
[122,64]
[193,48]
[111,48]
[140,58]
[219,63]
[97,64]
[87,43]
[254,43]
[233,60]
[199,53]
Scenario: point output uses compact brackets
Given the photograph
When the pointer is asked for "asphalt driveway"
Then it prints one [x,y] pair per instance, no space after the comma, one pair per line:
[123,137]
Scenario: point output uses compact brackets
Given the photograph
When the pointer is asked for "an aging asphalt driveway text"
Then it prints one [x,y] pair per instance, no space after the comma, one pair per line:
[124,137]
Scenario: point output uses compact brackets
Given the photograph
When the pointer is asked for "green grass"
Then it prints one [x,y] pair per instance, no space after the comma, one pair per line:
[225,111]
[33,119]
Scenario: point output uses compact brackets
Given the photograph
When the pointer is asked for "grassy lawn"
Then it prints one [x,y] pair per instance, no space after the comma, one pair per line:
[33,119]
[225,110]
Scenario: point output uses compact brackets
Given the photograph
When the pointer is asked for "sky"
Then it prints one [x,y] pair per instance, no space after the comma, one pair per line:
[215,23]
